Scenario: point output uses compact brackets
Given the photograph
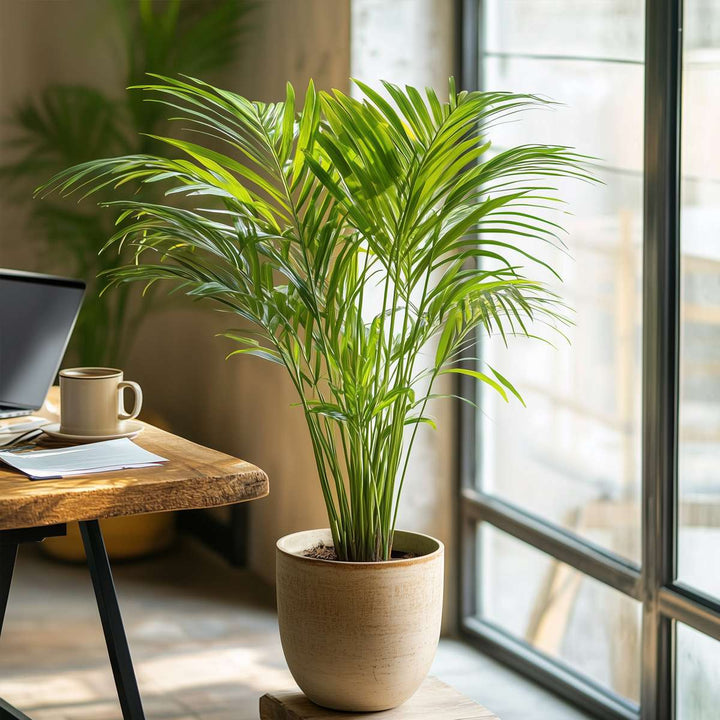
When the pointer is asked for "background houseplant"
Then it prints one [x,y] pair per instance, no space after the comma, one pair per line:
[351,236]
[67,124]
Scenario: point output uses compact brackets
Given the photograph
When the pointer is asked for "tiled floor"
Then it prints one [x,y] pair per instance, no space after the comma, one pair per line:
[204,640]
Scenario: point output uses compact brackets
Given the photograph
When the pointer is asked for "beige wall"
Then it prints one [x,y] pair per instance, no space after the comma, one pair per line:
[41,42]
[242,406]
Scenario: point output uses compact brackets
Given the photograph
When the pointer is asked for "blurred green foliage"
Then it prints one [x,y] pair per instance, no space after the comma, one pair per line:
[67,124]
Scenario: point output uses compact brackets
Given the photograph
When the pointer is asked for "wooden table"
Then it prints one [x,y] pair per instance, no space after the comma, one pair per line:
[31,510]
[433,701]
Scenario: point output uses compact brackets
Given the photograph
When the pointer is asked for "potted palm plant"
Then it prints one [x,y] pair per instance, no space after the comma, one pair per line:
[361,243]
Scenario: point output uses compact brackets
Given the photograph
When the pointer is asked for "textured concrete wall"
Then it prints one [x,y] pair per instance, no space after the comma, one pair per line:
[411,42]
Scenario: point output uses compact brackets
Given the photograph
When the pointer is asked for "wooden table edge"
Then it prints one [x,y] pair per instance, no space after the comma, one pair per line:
[129,510]
[90,500]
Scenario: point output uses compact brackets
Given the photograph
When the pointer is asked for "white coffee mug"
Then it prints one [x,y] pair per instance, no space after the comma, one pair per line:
[92,401]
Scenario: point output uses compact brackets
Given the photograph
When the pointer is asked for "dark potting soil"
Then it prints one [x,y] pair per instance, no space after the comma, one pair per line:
[327,552]
[322,552]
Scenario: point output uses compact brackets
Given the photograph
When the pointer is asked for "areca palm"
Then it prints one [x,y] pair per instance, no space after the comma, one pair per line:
[350,236]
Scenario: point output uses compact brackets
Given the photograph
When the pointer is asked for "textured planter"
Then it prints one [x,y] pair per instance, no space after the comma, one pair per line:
[359,636]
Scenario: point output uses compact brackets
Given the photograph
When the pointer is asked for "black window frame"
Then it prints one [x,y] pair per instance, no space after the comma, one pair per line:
[664,600]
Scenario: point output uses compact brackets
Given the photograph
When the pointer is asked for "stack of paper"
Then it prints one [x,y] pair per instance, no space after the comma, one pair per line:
[81,459]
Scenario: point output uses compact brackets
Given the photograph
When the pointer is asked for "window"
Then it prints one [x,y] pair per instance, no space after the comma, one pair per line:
[591,519]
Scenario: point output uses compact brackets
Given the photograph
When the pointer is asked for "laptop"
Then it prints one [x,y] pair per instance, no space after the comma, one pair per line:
[37,317]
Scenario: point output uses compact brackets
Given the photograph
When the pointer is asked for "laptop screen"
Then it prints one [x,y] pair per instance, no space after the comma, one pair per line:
[37,315]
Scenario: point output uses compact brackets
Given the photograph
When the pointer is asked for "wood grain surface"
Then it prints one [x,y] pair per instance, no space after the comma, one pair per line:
[194,477]
[433,701]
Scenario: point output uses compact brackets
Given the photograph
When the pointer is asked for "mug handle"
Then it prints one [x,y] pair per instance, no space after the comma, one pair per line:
[122,414]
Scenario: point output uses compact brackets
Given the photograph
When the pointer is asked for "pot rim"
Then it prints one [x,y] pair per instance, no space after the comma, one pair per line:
[354,565]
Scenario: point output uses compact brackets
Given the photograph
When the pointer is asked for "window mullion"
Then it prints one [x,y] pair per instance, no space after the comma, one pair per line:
[562,545]
[660,346]
[691,608]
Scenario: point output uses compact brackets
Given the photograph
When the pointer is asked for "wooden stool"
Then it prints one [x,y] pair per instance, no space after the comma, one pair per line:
[433,701]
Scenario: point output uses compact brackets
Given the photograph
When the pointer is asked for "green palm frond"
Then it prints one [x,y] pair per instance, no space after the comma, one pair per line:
[178,36]
[352,236]
[191,36]
[65,124]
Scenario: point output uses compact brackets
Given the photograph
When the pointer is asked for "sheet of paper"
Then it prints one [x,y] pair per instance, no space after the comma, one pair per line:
[81,459]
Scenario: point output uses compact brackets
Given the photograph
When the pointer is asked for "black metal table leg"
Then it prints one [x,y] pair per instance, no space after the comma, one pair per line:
[8,712]
[9,541]
[8,553]
[107,603]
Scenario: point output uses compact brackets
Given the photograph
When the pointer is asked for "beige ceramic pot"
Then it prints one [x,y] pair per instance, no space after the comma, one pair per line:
[359,637]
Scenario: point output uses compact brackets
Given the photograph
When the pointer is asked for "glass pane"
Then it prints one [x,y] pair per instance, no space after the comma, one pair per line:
[698,675]
[601,112]
[573,455]
[610,28]
[559,611]
[699,448]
